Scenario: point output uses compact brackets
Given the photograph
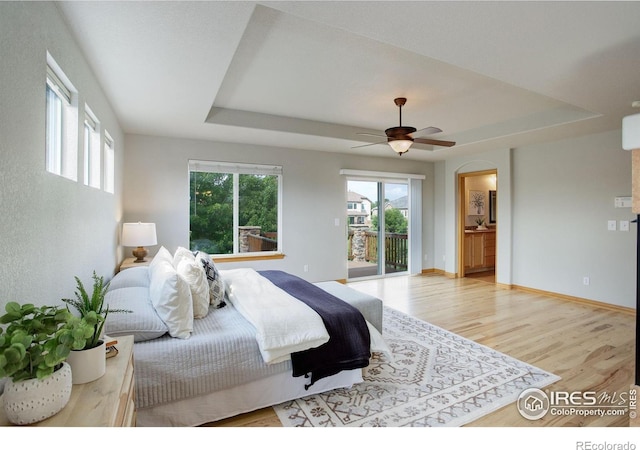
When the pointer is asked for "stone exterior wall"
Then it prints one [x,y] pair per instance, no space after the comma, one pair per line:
[244,232]
[358,245]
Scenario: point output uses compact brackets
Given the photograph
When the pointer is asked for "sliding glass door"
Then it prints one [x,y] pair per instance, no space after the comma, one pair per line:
[378,214]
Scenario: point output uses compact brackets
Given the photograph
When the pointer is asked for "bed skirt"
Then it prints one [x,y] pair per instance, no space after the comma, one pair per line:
[236,400]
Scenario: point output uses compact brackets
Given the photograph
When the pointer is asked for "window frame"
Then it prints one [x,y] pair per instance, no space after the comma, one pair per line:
[237,169]
[61,119]
[92,150]
[109,156]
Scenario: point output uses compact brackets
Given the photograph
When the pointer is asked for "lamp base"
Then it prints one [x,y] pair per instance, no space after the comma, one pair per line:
[140,254]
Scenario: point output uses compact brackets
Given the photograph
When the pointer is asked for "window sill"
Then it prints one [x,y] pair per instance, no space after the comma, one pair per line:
[253,257]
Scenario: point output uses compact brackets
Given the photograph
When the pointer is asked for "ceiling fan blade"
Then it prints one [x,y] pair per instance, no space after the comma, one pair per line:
[434,142]
[367,145]
[428,130]
[369,134]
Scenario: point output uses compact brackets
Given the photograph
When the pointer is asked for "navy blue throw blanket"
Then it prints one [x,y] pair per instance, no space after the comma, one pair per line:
[349,345]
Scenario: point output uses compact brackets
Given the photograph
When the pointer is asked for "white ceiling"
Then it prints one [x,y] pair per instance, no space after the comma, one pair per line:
[310,75]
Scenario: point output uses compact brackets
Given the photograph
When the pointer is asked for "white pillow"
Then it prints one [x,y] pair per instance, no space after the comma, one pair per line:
[193,273]
[171,297]
[180,253]
[162,255]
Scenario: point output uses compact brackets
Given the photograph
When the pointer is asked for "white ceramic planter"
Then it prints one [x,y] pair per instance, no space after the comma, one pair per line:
[87,365]
[30,401]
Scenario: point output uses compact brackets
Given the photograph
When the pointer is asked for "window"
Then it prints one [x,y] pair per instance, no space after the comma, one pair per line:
[61,151]
[235,209]
[91,149]
[109,163]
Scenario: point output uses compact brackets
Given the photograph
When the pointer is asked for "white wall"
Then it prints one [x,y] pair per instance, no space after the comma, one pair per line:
[563,197]
[51,228]
[554,201]
[314,194]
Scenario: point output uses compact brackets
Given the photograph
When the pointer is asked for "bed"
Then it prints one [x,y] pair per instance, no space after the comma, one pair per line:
[198,362]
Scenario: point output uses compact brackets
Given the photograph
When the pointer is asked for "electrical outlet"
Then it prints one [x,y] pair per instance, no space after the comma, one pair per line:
[624,225]
[612,225]
[586,281]
[306,268]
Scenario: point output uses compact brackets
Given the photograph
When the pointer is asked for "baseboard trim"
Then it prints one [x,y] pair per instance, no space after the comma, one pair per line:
[439,272]
[584,301]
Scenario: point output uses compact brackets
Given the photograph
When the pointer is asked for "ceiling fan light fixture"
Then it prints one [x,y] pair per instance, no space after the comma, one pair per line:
[400,146]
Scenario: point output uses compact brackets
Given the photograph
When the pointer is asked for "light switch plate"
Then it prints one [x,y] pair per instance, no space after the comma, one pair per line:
[624,225]
[622,202]
[612,225]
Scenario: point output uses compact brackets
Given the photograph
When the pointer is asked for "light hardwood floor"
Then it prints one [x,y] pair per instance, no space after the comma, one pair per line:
[591,348]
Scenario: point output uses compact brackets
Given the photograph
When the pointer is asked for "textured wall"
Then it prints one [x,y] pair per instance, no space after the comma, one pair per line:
[51,228]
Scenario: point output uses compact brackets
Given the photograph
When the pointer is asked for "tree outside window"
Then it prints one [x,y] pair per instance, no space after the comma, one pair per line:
[234,213]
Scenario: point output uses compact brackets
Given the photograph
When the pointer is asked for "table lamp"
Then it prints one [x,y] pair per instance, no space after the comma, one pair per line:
[138,235]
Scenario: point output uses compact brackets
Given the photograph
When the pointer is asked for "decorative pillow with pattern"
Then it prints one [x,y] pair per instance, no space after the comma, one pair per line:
[216,286]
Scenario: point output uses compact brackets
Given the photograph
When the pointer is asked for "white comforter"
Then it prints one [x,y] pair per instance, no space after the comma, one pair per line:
[283,324]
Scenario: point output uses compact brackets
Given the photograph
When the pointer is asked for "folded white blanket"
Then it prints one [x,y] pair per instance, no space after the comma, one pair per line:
[283,324]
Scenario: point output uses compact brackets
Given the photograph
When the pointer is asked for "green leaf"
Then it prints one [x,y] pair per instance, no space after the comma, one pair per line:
[12,355]
[51,359]
[27,309]
[20,337]
[62,351]
[44,372]
[12,307]
[10,317]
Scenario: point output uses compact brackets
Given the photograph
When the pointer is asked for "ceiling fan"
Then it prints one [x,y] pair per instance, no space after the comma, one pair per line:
[400,138]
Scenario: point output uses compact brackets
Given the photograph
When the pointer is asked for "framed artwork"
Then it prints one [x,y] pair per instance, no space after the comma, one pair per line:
[476,203]
[492,206]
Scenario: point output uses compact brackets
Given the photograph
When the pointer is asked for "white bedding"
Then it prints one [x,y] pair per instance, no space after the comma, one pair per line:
[220,370]
[283,324]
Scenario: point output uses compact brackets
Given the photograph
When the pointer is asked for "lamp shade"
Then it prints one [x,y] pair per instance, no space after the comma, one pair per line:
[400,145]
[139,234]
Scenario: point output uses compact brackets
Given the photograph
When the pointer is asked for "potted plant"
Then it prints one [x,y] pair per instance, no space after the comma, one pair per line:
[33,350]
[481,224]
[88,364]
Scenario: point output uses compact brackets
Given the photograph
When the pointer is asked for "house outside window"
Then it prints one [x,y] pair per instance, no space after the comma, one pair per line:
[235,209]
[358,209]
[61,115]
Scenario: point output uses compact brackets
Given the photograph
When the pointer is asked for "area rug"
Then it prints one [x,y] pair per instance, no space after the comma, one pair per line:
[432,378]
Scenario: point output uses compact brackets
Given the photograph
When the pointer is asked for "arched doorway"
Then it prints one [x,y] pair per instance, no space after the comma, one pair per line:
[477,224]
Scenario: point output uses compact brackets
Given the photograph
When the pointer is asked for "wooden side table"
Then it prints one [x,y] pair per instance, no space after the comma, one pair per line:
[108,401]
[129,263]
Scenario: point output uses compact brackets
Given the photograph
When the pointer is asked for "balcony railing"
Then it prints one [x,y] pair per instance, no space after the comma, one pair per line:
[396,249]
[258,243]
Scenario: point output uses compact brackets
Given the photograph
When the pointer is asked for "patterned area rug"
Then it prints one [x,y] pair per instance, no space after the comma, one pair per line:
[433,378]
